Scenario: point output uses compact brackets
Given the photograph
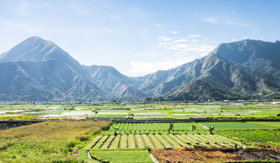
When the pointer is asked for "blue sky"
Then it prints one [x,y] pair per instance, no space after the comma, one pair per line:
[138,36]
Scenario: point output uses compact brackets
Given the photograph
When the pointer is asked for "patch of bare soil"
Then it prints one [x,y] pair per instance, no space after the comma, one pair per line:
[214,155]
[259,154]
[197,155]
[74,153]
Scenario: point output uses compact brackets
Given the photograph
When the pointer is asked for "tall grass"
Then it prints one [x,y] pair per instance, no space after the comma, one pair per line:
[46,141]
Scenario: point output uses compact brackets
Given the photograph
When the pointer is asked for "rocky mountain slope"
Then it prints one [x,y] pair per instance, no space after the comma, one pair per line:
[38,69]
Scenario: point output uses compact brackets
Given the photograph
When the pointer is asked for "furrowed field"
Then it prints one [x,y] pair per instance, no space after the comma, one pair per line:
[139,132]
[139,137]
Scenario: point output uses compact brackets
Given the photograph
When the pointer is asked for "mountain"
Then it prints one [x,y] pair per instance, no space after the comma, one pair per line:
[253,54]
[242,69]
[163,82]
[37,50]
[39,70]
[113,82]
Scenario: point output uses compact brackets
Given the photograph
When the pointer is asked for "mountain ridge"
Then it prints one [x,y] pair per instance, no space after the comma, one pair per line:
[241,69]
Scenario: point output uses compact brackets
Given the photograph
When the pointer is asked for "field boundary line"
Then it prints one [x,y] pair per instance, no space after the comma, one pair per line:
[144,141]
[160,141]
[127,142]
[168,141]
[175,141]
[111,142]
[152,141]
[97,142]
[136,142]
[119,144]
[203,126]
[104,141]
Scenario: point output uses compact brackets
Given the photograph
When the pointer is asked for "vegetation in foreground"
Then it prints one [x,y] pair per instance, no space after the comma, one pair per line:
[188,138]
[254,137]
[46,141]
[123,156]
[55,141]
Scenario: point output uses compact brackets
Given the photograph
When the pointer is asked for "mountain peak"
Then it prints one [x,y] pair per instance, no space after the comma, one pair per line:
[35,49]
[34,38]
[242,51]
[103,71]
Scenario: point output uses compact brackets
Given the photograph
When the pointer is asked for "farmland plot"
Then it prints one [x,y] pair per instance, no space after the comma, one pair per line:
[161,141]
[234,125]
[267,124]
[154,128]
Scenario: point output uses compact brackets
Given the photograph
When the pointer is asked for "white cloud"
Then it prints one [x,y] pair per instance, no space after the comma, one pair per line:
[199,46]
[213,20]
[194,36]
[174,32]
[180,40]
[145,67]
[225,20]
[157,25]
[164,44]
[178,52]
[164,38]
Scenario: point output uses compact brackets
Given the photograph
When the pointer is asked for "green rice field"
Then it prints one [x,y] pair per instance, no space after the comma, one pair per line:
[235,125]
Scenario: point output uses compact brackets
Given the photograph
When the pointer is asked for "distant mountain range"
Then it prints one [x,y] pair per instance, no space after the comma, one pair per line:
[39,70]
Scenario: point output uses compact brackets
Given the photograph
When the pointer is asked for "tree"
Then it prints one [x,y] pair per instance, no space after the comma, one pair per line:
[148,99]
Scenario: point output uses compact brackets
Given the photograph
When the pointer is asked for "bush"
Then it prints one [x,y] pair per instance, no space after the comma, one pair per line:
[83,138]
[70,146]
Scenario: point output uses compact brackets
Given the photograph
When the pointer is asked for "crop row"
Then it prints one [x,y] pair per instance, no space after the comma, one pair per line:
[160,141]
[154,126]
[154,132]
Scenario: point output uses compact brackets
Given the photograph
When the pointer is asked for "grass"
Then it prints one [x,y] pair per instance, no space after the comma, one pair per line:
[233,125]
[139,156]
[18,117]
[267,124]
[46,141]
[83,153]
[253,137]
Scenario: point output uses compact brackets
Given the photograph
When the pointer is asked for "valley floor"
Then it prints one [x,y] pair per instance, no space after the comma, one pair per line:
[141,132]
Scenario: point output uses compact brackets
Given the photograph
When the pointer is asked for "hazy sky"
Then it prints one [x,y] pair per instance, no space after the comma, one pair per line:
[138,36]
